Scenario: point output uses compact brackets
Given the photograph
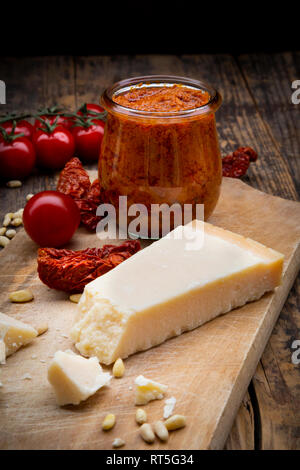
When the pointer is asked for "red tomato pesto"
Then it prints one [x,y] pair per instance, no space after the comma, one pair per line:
[160,159]
[162,99]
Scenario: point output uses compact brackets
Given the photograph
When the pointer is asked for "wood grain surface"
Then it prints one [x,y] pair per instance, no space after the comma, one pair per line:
[257,111]
[208,370]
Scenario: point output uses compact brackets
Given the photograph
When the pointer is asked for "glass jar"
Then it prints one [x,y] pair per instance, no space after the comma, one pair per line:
[156,157]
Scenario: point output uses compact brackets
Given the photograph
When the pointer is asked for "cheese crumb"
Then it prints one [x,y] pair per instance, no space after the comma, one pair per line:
[26,377]
[148,390]
[15,333]
[169,407]
[118,442]
[2,352]
[75,378]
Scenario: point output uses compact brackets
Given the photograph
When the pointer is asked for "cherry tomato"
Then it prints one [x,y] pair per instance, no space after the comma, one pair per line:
[17,158]
[22,127]
[66,122]
[53,149]
[90,107]
[88,140]
[50,218]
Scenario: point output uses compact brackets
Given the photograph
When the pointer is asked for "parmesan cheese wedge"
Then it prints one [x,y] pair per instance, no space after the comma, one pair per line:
[14,334]
[183,280]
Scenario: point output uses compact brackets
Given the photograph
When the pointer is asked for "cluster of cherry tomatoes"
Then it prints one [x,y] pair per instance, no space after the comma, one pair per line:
[51,141]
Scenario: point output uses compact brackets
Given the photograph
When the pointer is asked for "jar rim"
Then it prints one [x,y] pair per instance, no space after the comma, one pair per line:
[109,104]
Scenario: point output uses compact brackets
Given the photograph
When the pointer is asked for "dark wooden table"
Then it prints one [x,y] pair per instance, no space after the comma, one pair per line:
[257,111]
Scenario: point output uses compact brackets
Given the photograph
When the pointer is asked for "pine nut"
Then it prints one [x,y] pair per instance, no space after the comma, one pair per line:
[4,241]
[118,368]
[24,295]
[7,219]
[2,231]
[146,433]
[16,222]
[108,422]
[75,298]
[140,416]
[161,430]
[18,214]
[175,422]
[118,442]
[42,328]
[14,184]
[10,233]
[29,196]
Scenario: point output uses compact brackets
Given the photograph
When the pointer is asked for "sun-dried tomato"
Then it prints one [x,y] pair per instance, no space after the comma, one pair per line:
[70,271]
[95,192]
[88,213]
[248,151]
[88,206]
[237,163]
[75,182]
[235,166]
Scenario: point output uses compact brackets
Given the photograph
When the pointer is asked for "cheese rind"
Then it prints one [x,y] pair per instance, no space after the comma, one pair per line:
[171,287]
[147,390]
[75,378]
[15,333]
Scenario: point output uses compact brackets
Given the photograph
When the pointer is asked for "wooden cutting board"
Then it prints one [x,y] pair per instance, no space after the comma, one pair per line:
[208,370]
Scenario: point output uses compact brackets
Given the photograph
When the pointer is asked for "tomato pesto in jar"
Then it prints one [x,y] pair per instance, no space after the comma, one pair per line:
[162,98]
[160,145]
